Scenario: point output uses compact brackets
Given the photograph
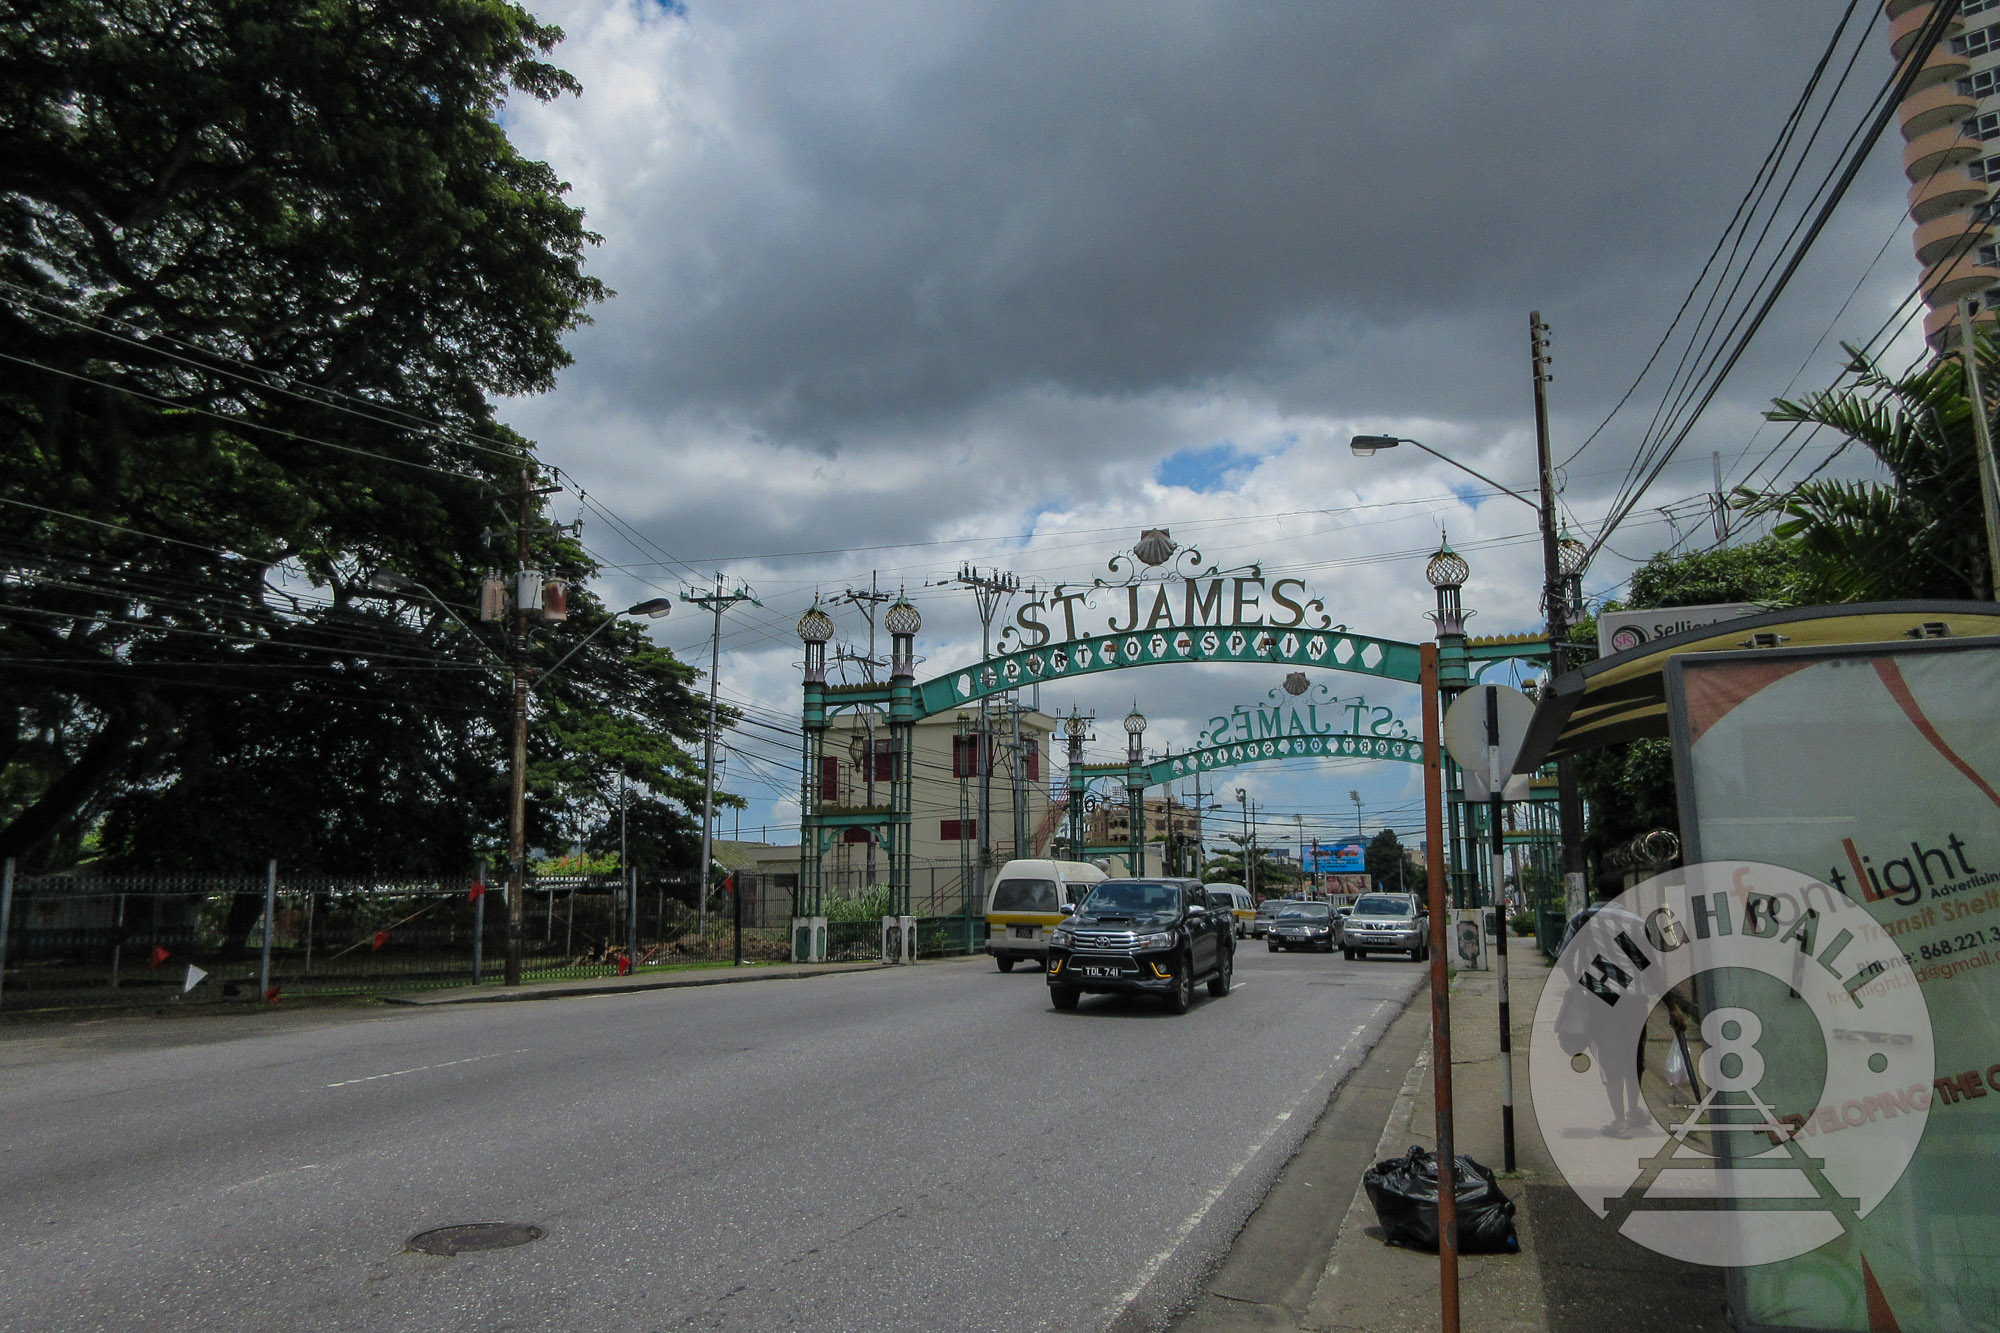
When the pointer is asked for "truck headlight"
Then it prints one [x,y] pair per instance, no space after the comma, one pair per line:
[1163,939]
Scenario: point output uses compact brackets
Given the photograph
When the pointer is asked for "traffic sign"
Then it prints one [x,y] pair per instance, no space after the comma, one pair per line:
[1475,744]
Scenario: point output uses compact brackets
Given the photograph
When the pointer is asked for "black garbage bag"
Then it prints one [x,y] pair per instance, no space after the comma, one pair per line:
[1404,1191]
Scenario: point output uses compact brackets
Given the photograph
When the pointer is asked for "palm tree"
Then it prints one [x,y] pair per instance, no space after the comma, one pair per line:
[1922,532]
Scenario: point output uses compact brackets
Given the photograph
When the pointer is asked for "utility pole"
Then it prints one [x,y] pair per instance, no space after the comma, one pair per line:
[1020,785]
[1200,851]
[988,589]
[525,607]
[865,603]
[717,602]
[1299,847]
[1569,804]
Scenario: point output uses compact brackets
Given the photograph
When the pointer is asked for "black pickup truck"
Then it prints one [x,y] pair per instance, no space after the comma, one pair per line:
[1142,937]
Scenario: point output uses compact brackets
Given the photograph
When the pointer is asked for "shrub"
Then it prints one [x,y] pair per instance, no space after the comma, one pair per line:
[1523,922]
[869,904]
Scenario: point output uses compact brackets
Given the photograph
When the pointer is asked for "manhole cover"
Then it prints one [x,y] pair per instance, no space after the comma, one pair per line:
[475,1236]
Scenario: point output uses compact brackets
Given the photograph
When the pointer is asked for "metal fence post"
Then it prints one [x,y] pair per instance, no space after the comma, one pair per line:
[478,922]
[270,914]
[632,915]
[6,912]
[118,941]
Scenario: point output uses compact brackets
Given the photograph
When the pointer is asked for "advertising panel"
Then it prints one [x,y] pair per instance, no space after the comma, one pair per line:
[1348,856]
[1620,631]
[1874,773]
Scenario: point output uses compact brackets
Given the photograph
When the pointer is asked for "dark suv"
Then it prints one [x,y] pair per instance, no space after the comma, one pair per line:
[1142,937]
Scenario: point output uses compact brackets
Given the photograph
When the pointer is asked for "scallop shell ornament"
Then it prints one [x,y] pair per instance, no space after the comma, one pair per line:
[1155,546]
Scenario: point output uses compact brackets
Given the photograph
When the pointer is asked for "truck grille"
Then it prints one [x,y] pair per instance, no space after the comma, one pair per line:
[1105,939]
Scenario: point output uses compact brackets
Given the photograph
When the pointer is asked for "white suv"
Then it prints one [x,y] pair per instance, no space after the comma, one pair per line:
[1387,923]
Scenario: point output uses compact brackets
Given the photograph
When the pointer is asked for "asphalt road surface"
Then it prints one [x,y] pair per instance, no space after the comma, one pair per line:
[913,1148]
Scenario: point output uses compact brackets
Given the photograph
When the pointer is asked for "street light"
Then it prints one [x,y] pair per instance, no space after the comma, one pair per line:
[1562,578]
[1367,446]
[1249,863]
[1135,791]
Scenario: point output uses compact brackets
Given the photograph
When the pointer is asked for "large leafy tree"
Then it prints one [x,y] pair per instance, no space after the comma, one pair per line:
[1920,532]
[1391,865]
[1629,787]
[1228,865]
[262,268]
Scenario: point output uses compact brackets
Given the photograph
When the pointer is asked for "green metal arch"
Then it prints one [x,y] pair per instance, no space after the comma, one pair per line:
[1339,745]
[1330,649]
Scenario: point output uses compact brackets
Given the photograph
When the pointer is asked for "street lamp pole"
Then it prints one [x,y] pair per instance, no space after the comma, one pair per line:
[1249,868]
[1562,567]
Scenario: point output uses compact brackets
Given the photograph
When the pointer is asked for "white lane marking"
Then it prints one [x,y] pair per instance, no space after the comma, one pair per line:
[1208,1200]
[418,1069]
[270,1175]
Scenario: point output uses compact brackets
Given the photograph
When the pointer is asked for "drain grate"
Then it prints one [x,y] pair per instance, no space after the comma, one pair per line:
[474,1236]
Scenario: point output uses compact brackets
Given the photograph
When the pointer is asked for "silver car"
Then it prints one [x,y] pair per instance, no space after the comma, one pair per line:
[1387,923]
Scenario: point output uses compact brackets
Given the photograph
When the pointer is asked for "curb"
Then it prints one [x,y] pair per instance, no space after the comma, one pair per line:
[557,990]
[1273,1264]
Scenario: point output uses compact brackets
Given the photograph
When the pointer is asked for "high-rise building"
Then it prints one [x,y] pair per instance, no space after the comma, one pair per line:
[1951,155]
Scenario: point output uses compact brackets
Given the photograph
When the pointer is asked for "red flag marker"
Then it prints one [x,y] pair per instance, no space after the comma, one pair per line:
[624,964]
[477,891]
[271,995]
[159,955]
[381,938]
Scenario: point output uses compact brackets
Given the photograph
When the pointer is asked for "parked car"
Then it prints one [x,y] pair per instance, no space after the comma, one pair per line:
[1302,925]
[1387,923]
[1142,937]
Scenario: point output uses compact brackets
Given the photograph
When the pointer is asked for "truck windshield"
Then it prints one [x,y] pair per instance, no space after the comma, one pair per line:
[1110,897]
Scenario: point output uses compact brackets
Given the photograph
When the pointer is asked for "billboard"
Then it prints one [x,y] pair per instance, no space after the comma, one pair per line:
[1873,770]
[1347,856]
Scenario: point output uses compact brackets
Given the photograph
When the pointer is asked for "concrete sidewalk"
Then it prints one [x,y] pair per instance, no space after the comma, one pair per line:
[641,981]
[1312,1257]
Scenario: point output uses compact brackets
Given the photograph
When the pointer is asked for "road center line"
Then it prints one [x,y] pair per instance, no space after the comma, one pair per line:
[418,1069]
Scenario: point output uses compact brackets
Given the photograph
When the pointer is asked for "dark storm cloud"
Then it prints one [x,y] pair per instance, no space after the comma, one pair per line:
[900,213]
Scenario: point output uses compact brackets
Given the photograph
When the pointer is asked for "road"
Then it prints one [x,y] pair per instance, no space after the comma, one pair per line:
[913,1148]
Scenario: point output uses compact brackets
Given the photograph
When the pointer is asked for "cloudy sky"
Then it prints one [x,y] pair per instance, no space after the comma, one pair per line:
[903,287]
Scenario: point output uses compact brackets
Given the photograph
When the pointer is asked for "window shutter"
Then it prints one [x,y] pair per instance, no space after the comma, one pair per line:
[829,778]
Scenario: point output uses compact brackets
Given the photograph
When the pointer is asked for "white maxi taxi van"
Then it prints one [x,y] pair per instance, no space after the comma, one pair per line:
[1026,903]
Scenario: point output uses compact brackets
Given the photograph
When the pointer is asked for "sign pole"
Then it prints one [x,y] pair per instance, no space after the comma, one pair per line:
[1496,780]
[1447,1159]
